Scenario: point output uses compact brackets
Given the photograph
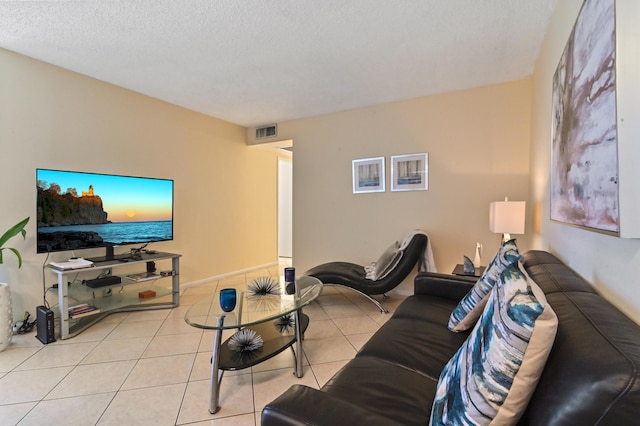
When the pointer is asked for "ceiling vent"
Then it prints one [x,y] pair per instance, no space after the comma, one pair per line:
[267,131]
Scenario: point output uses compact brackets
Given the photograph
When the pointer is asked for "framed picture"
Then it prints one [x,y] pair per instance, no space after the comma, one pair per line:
[410,172]
[584,159]
[368,175]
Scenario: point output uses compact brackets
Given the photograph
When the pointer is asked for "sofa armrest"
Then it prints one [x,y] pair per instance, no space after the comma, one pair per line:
[452,287]
[302,405]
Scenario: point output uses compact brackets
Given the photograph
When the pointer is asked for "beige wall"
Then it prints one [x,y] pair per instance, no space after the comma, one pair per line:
[609,263]
[225,192]
[478,145]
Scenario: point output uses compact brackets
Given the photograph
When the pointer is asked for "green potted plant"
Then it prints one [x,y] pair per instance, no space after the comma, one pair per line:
[12,232]
[6,318]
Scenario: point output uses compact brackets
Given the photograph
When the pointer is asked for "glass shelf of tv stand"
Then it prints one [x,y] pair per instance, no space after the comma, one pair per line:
[117,297]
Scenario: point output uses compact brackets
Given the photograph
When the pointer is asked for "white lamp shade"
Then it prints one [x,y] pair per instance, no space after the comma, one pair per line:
[507,217]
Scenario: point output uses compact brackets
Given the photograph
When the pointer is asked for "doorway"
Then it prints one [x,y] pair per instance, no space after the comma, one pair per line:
[285,206]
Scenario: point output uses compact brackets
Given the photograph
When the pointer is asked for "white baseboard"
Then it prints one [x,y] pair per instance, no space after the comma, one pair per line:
[227,275]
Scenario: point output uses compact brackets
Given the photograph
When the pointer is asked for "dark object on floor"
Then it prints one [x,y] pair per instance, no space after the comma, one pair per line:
[45,331]
[353,276]
[592,375]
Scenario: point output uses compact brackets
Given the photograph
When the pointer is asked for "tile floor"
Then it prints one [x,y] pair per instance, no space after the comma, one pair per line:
[151,368]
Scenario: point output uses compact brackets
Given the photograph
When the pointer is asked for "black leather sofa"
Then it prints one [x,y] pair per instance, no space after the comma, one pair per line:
[592,375]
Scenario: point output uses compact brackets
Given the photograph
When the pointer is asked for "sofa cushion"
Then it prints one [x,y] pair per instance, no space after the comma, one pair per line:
[409,342]
[470,307]
[395,393]
[494,373]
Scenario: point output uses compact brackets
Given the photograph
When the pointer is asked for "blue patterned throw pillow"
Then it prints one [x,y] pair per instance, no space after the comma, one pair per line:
[468,310]
[494,373]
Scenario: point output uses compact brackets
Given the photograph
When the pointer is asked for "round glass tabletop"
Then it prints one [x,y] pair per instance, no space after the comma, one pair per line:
[252,308]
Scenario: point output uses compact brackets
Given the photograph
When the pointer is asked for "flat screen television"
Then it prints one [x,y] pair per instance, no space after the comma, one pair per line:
[77,210]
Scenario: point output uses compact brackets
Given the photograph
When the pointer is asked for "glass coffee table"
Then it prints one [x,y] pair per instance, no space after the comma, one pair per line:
[276,318]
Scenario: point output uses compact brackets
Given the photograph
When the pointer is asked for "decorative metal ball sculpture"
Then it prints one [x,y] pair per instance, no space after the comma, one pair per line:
[246,340]
[263,286]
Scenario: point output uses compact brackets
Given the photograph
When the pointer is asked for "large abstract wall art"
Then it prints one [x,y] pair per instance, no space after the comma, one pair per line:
[584,159]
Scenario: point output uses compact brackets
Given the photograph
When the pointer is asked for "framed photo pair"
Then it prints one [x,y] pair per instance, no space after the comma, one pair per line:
[408,173]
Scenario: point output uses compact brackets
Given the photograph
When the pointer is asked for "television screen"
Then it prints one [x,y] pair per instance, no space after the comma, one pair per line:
[86,210]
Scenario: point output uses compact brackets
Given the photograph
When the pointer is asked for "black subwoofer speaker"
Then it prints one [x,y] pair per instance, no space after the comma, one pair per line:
[45,325]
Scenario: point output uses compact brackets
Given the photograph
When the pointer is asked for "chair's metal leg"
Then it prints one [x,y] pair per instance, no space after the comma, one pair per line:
[382,309]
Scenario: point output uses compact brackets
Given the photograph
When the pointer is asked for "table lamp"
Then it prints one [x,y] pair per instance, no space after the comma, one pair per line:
[507,217]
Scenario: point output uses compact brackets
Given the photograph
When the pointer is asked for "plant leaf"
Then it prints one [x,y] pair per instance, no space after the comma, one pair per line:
[13,231]
[17,253]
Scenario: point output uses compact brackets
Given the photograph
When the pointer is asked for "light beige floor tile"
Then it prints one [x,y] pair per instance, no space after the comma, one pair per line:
[118,350]
[96,333]
[328,349]
[117,317]
[319,329]
[128,330]
[80,410]
[315,312]
[25,340]
[191,299]
[381,318]
[240,420]
[390,303]
[342,311]
[13,413]
[173,344]
[268,385]
[179,312]
[202,289]
[206,344]
[284,360]
[30,385]
[236,398]
[149,406]
[160,371]
[202,368]
[93,379]
[325,371]
[356,325]
[58,355]
[235,281]
[14,356]
[150,315]
[258,273]
[176,326]
[370,308]
[333,299]
[331,289]
[358,340]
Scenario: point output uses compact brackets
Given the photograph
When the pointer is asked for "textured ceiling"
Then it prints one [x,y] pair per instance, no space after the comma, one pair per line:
[255,62]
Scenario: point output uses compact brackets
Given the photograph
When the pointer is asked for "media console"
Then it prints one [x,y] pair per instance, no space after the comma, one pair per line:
[120,296]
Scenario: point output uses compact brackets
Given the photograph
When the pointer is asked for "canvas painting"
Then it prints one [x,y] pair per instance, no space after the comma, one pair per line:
[584,163]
